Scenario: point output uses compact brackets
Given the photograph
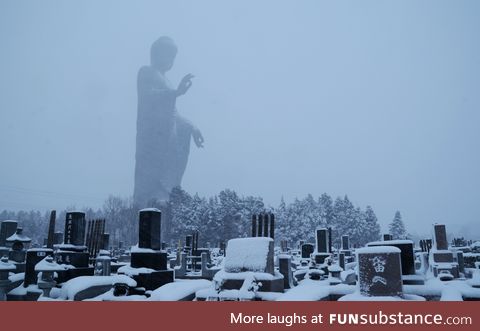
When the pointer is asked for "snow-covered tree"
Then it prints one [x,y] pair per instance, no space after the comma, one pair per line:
[372,228]
[397,228]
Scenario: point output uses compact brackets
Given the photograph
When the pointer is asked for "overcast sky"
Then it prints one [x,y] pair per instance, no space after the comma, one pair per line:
[374,99]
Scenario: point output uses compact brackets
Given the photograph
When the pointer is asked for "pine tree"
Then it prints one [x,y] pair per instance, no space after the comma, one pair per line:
[372,228]
[397,228]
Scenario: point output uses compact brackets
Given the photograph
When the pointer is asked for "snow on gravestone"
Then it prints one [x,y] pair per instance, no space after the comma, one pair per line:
[379,271]
[250,254]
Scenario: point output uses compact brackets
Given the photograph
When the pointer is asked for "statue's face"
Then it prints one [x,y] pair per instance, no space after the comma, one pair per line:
[164,60]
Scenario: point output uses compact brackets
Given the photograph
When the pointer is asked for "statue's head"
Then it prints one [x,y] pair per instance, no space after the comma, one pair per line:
[162,53]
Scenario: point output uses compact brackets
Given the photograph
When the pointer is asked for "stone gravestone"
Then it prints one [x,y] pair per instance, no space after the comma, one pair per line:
[148,253]
[149,228]
[34,255]
[106,241]
[345,243]
[7,228]
[246,255]
[75,228]
[73,250]
[461,262]
[387,237]
[322,241]
[379,271]
[307,250]
[341,260]
[443,260]
[407,253]
[323,245]
[285,268]
[440,236]
[263,225]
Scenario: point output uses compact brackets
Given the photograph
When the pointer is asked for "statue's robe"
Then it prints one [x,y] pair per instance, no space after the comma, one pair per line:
[163,139]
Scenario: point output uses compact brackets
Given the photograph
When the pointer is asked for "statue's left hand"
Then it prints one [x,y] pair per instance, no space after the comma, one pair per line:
[198,138]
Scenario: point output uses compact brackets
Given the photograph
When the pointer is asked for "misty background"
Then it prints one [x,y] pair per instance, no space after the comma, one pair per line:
[377,100]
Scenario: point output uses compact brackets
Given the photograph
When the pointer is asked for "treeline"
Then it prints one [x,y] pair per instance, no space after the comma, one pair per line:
[221,217]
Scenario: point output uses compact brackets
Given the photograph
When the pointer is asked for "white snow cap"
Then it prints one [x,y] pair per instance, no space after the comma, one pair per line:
[391,242]
[377,250]
[247,254]
[149,209]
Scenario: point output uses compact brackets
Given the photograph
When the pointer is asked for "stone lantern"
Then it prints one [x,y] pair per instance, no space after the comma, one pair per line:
[18,243]
[47,268]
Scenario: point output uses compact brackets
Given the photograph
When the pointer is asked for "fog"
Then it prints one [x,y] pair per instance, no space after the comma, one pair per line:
[374,99]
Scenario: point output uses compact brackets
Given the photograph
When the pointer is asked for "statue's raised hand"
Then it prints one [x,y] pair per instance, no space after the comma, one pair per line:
[184,85]
[197,138]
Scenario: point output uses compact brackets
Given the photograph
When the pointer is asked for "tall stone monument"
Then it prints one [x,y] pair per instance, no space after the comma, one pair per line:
[163,135]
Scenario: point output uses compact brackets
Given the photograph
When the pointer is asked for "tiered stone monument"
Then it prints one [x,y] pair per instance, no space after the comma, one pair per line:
[73,251]
[148,253]
[323,246]
[441,259]
[247,258]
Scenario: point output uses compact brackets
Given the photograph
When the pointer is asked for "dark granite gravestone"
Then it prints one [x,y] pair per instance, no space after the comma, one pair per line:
[387,237]
[7,228]
[151,260]
[149,228]
[323,246]
[341,260]
[75,228]
[51,229]
[307,250]
[34,255]
[148,254]
[379,271]
[285,268]
[105,241]
[440,237]
[260,225]
[345,243]
[76,259]
[407,253]
[263,225]
[322,241]
[461,262]
[272,226]
[254,225]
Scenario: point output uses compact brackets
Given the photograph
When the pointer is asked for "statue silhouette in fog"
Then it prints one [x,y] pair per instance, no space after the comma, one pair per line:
[163,135]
